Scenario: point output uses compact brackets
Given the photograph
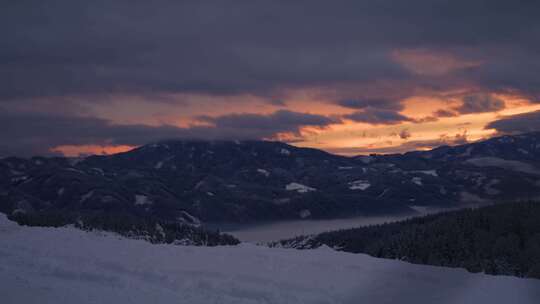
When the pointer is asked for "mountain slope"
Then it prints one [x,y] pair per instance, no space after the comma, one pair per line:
[65,265]
[500,239]
[225,181]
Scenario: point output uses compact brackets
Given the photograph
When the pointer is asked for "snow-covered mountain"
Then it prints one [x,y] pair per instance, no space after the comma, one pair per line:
[226,181]
[66,265]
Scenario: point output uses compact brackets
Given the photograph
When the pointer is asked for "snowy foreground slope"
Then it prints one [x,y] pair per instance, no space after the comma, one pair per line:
[65,265]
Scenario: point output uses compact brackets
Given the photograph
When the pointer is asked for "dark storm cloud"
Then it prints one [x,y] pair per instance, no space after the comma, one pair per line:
[480,103]
[79,49]
[378,116]
[444,113]
[512,67]
[280,121]
[471,104]
[521,123]
[70,47]
[63,47]
[27,134]
[379,103]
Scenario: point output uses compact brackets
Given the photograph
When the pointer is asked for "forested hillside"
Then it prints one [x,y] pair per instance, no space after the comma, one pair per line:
[500,239]
[150,229]
[196,181]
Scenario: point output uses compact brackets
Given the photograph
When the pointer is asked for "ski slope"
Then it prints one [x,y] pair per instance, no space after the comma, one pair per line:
[65,265]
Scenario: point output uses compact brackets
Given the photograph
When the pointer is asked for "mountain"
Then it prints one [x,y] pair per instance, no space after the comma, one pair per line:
[189,181]
[66,265]
[502,239]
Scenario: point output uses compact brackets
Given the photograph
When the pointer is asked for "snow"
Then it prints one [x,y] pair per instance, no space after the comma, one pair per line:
[467,152]
[263,172]
[427,172]
[419,209]
[15,172]
[470,198]
[74,170]
[503,163]
[107,199]
[488,188]
[192,220]
[523,151]
[142,200]
[442,190]
[383,193]
[506,139]
[299,188]
[99,170]
[86,196]
[155,146]
[158,165]
[199,185]
[18,211]
[359,185]
[285,151]
[345,168]
[65,265]
[305,213]
[417,180]
[19,178]
[366,159]
[61,191]
[160,231]
[75,160]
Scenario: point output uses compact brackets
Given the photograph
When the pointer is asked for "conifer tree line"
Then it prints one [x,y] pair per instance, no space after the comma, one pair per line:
[501,239]
[149,228]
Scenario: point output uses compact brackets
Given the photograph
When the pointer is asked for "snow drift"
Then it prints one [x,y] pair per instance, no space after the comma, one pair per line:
[66,265]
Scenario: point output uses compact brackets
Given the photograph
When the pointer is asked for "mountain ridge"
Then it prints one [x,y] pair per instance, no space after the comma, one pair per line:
[194,181]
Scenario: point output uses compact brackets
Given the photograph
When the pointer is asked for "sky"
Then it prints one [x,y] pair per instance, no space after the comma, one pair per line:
[350,77]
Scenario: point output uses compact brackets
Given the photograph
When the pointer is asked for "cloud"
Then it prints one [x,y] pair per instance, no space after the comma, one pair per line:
[268,125]
[480,103]
[471,104]
[27,133]
[77,47]
[427,62]
[515,124]
[426,119]
[65,56]
[379,103]
[444,139]
[378,117]
[441,113]
[445,113]
[404,134]
[509,69]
